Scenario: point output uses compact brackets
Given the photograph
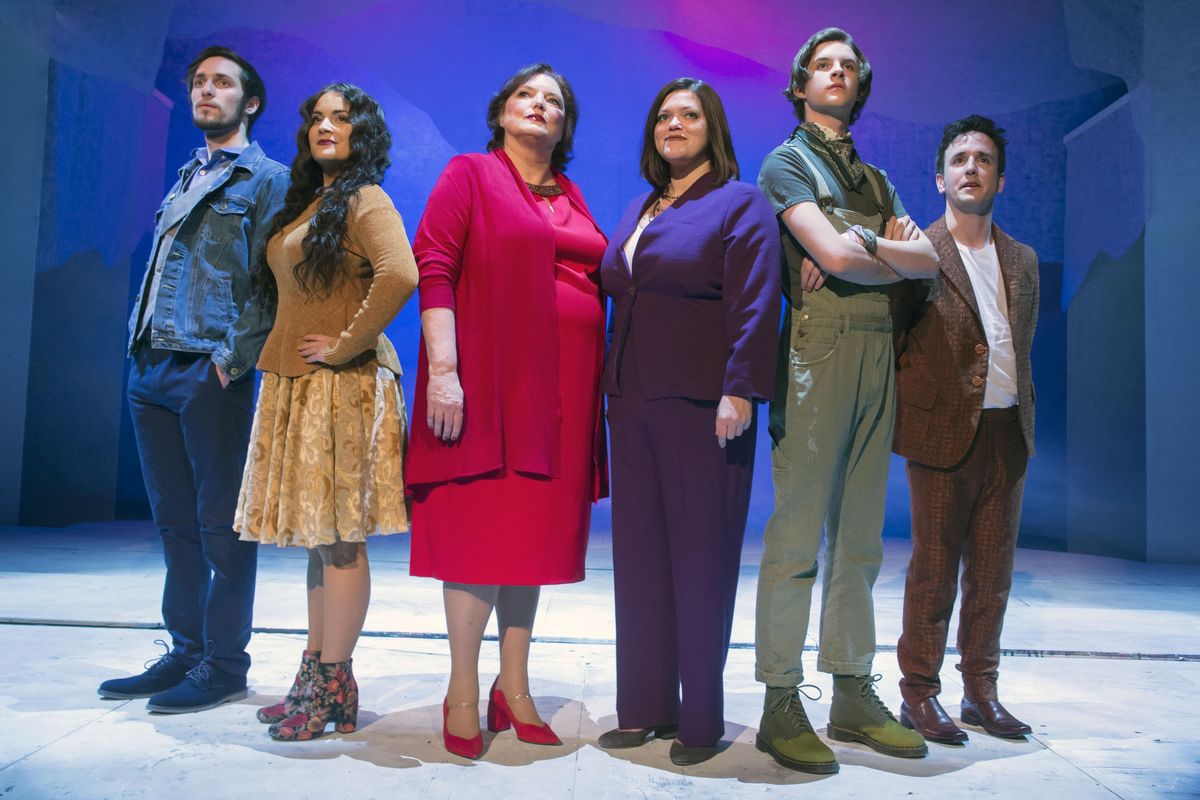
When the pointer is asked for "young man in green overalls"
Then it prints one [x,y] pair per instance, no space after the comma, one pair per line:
[845,238]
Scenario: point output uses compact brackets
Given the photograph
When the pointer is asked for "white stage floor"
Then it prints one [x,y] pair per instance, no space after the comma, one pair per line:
[1102,659]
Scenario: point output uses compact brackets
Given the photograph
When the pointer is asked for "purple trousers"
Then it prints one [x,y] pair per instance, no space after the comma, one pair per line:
[679,514]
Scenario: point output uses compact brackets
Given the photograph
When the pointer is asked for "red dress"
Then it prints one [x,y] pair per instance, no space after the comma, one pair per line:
[511,526]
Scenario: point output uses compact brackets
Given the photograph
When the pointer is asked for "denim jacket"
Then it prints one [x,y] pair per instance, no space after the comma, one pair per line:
[204,303]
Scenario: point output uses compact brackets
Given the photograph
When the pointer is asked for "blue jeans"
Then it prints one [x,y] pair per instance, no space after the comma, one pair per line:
[192,437]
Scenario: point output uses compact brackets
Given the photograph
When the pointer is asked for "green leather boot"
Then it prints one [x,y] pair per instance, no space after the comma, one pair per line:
[858,715]
[787,735]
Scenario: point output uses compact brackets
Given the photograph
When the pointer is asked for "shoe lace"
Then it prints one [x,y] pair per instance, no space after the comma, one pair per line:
[158,661]
[201,673]
[794,710]
[867,692]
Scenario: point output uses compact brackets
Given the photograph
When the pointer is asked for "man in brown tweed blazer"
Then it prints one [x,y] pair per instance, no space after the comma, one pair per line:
[964,421]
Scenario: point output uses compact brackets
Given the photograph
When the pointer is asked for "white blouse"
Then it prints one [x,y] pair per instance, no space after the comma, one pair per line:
[631,243]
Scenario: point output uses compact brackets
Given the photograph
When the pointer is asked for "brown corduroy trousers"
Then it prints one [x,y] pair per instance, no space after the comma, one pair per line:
[969,513]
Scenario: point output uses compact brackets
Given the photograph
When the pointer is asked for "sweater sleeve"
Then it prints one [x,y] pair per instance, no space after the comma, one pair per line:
[750,293]
[442,235]
[377,231]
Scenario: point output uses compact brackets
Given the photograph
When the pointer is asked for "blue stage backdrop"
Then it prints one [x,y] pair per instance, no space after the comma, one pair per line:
[1055,74]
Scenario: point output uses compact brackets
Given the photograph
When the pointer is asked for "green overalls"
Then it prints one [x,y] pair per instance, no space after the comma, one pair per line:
[831,428]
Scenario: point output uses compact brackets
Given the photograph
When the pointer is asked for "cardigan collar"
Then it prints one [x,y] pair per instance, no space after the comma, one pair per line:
[568,186]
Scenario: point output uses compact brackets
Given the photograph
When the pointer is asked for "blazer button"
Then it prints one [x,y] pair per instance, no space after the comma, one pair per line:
[977,381]
[981,348]
[631,291]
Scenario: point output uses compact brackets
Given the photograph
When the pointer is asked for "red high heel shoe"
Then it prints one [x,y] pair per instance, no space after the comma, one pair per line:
[467,748]
[500,717]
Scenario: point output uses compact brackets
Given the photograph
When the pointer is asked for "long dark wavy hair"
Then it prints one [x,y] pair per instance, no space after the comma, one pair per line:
[369,143]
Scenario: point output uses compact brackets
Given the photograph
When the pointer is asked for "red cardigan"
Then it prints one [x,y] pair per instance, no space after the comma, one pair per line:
[485,250]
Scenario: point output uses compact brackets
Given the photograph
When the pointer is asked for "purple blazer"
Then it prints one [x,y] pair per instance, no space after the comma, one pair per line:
[702,304]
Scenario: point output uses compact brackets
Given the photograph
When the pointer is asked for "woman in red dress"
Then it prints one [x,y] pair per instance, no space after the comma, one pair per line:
[507,450]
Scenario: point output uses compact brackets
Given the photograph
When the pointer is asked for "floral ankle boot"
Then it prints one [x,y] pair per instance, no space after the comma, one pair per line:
[334,698]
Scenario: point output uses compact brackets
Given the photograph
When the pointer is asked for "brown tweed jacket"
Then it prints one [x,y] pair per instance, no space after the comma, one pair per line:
[941,348]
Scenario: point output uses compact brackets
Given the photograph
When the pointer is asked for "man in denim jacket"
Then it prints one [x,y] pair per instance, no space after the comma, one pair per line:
[194,336]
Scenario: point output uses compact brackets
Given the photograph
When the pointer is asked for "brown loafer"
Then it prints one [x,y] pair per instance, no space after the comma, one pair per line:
[929,719]
[993,718]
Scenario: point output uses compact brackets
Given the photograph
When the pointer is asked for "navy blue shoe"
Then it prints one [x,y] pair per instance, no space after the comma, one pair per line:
[204,687]
[161,674]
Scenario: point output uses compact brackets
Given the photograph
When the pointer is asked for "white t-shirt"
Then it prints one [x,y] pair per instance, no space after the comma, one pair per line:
[983,267]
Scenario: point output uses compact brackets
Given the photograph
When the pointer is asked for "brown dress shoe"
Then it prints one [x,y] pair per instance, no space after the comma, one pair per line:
[993,718]
[929,719]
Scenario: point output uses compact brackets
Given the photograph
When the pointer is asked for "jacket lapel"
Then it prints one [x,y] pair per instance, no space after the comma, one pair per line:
[624,230]
[952,265]
[664,221]
[1010,271]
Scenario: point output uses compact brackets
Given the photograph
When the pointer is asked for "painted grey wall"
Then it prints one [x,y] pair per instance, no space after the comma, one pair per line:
[1106,409]
[24,88]
[1170,104]
[1133,199]
[102,172]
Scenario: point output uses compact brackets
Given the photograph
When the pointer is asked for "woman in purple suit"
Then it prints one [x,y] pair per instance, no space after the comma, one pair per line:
[693,271]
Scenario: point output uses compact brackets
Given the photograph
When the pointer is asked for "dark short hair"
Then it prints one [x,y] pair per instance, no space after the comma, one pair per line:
[799,75]
[978,124]
[563,150]
[655,168]
[252,83]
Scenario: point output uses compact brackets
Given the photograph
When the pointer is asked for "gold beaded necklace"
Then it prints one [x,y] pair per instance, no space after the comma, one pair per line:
[547,190]
[666,195]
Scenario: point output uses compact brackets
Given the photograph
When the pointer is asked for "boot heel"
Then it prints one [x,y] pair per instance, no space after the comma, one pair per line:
[500,718]
[346,716]
[841,735]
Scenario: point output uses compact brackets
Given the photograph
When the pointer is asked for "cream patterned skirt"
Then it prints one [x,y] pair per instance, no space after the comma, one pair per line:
[326,459]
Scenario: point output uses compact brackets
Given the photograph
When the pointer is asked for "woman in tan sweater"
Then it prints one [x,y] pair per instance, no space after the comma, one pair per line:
[325,468]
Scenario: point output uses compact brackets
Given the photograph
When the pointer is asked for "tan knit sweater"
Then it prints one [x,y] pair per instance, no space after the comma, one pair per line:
[361,302]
